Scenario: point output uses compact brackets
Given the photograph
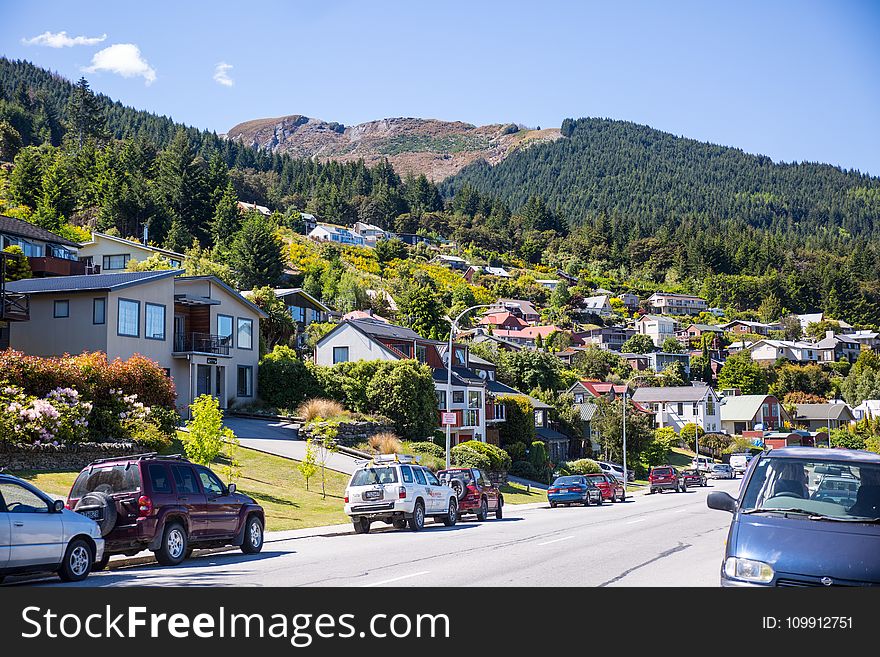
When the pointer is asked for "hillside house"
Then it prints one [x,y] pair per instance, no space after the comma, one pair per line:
[676,304]
[676,406]
[598,305]
[108,253]
[741,413]
[767,352]
[48,254]
[813,417]
[522,308]
[656,327]
[838,347]
[339,234]
[610,338]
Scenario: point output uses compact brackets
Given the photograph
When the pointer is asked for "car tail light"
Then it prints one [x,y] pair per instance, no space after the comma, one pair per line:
[345,499]
[472,490]
[145,506]
[553,490]
[575,489]
[401,492]
[67,505]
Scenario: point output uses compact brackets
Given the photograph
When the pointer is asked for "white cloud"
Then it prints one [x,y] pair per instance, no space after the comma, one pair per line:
[61,40]
[221,74]
[124,59]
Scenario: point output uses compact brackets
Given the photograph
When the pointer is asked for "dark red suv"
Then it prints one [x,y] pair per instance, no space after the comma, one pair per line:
[165,504]
[665,477]
[475,491]
[610,487]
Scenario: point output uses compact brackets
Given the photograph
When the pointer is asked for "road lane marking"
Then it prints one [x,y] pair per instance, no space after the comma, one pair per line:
[395,579]
[632,522]
[556,540]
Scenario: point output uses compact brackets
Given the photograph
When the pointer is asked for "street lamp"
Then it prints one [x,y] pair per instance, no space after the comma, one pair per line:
[453,326]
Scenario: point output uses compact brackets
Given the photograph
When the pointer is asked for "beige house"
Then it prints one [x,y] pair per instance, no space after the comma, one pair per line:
[204,334]
[112,253]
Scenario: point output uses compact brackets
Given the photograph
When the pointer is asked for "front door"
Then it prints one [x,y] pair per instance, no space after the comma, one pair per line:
[203,380]
[36,532]
[220,385]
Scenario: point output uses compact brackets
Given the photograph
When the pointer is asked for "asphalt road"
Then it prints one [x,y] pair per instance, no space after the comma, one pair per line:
[669,539]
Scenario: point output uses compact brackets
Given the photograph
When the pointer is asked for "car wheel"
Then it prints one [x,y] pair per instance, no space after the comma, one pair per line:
[77,562]
[499,514]
[417,522]
[483,511]
[451,516]
[174,545]
[98,566]
[599,501]
[361,525]
[586,501]
[398,523]
[623,496]
[552,505]
[253,536]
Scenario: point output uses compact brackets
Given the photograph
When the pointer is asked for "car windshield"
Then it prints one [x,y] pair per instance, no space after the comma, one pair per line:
[662,471]
[596,479]
[824,490]
[567,481]
[370,476]
[111,480]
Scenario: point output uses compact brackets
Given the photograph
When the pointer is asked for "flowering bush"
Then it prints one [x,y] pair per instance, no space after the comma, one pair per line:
[61,417]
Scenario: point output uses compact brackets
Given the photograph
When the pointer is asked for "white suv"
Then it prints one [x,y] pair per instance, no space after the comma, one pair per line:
[396,490]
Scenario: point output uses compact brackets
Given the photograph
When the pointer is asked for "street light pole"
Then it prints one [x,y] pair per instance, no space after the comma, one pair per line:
[453,325]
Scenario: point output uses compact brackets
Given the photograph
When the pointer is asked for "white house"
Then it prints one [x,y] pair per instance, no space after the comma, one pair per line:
[597,305]
[339,234]
[676,406]
[111,253]
[768,351]
[656,327]
[548,283]
[869,408]
[677,304]
[370,233]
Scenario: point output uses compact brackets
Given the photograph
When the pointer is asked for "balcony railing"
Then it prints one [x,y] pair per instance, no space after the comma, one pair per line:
[14,307]
[203,343]
[51,266]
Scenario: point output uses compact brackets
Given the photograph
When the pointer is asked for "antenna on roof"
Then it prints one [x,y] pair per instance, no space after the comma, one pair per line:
[146,234]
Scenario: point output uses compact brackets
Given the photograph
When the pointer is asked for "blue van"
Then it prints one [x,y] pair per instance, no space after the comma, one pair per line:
[805,516]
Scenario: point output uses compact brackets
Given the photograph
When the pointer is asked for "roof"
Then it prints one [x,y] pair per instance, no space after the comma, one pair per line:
[476,360]
[21,228]
[705,327]
[378,329]
[599,388]
[656,318]
[825,454]
[587,411]
[824,411]
[549,434]
[364,314]
[283,292]
[441,374]
[675,295]
[235,294]
[596,301]
[500,317]
[137,245]
[88,282]
[525,306]
[671,394]
[497,271]
[830,343]
[741,407]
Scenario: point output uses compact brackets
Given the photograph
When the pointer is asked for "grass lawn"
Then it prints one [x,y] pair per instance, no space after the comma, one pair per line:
[516,494]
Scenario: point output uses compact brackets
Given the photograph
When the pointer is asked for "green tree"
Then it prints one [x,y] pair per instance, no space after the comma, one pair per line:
[421,309]
[391,249]
[308,467]
[638,344]
[658,449]
[671,345]
[86,118]
[528,369]
[26,179]
[740,371]
[404,392]
[519,423]
[285,380]
[156,262]
[206,437]
[561,296]
[17,266]
[56,202]
[10,141]
[227,217]
[609,423]
[278,327]
[597,363]
[257,253]
[182,187]
[178,237]
[809,379]
[674,374]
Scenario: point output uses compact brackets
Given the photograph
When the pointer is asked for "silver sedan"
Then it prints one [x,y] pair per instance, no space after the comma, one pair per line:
[37,534]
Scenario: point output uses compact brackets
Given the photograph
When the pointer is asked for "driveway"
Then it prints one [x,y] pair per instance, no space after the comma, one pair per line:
[282,439]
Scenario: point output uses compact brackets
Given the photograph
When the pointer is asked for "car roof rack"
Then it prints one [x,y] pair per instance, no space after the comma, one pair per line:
[396,458]
[139,457]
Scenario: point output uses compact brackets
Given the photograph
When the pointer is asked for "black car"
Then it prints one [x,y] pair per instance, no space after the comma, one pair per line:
[805,517]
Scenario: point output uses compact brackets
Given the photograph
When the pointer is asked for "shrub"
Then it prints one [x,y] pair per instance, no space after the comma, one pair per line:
[385,443]
[149,435]
[524,470]
[429,448]
[285,381]
[657,451]
[845,439]
[499,460]
[166,419]
[404,392]
[688,432]
[205,439]
[582,467]
[540,460]
[519,426]
[465,457]
[319,408]
[517,451]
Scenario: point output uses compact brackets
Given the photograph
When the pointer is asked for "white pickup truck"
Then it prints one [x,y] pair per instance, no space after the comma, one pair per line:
[739,463]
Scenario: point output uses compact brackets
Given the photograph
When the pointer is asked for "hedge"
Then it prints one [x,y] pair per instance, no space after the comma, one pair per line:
[465,457]
[499,460]
[285,380]
[580,467]
[429,448]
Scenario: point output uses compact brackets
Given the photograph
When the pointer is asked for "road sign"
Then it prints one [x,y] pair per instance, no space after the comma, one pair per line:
[448,418]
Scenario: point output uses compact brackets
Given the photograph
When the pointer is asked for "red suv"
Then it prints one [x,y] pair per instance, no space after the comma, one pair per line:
[611,487]
[165,504]
[475,492]
[665,477]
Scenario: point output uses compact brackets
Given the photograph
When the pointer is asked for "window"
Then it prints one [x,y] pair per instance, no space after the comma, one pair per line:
[696,409]
[500,412]
[458,396]
[680,409]
[340,355]
[129,318]
[421,353]
[297,314]
[116,261]
[245,333]
[185,480]
[224,326]
[420,476]
[155,321]
[159,481]
[99,311]
[474,399]
[19,499]
[710,405]
[431,478]
[211,484]
[406,473]
[111,480]
[472,418]
[61,309]
[460,357]
[245,381]
[441,398]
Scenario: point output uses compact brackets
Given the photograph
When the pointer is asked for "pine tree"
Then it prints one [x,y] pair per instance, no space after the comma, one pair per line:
[256,253]
[16,266]
[182,187]
[85,116]
[26,179]
[56,201]
[178,238]
[227,218]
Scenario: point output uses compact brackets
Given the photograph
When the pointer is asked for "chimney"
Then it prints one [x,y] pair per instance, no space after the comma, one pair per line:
[829,334]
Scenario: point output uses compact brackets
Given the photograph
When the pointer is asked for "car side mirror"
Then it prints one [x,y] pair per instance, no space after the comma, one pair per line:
[58,506]
[230,489]
[721,502]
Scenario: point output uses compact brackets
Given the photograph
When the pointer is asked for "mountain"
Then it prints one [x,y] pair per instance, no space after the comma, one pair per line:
[652,178]
[438,149]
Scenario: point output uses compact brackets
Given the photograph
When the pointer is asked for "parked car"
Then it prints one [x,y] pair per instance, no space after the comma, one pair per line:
[37,534]
[702,463]
[611,487]
[791,528]
[475,492]
[395,490]
[721,471]
[165,504]
[694,477]
[740,463]
[573,489]
[665,477]
[616,470]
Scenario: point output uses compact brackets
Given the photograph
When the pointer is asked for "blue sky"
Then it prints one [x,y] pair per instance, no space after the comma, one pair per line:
[792,80]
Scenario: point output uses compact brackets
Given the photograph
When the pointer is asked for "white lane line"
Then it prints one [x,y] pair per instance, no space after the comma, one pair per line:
[632,522]
[395,579]
[556,540]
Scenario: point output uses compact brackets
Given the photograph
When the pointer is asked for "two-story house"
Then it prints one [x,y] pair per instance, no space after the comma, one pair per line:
[676,406]
[630,301]
[677,304]
[741,327]
[109,253]
[767,352]
[367,339]
[694,331]
[333,233]
[836,347]
[370,233]
[656,327]
[610,338]
[745,412]
[48,254]
[502,320]
[522,308]
[201,331]
[597,305]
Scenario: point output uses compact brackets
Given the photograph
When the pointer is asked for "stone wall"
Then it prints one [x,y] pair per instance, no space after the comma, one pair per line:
[65,457]
[352,433]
